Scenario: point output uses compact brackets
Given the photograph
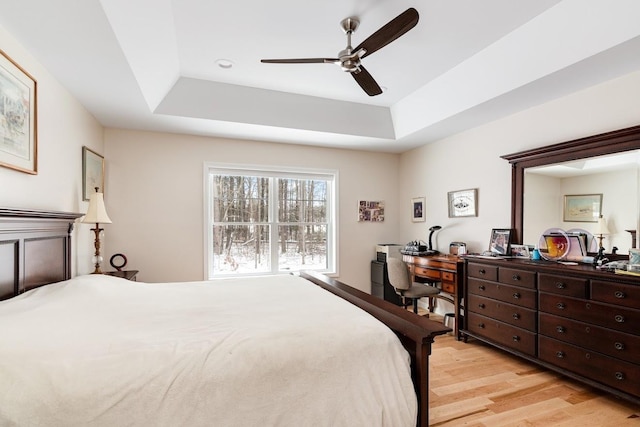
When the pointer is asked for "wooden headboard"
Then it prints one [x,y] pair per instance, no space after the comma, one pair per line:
[35,249]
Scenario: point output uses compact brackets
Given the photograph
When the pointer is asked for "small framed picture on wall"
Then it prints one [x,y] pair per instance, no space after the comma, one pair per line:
[92,173]
[371,210]
[418,209]
[463,203]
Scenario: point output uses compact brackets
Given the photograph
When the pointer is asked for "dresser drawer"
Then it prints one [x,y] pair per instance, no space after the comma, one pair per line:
[511,294]
[600,314]
[616,293]
[511,276]
[598,367]
[482,271]
[569,286]
[502,333]
[515,315]
[613,343]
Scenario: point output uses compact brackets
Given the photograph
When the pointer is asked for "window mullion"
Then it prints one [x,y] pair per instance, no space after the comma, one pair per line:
[273,224]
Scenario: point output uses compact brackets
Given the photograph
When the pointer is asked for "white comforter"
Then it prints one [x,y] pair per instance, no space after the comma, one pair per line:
[269,351]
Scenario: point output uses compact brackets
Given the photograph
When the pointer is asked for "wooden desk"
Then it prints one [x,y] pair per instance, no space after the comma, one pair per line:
[447,269]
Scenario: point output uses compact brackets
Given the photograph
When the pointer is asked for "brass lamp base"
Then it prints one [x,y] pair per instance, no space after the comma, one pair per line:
[98,258]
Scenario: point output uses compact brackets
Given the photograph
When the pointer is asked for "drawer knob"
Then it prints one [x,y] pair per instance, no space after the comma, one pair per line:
[515,277]
[516,295]
[619,346]
[619,295]
[515,338]
[516,316]
[560,329]
[481,287]
[482,271]
[619,318]
[560,285]
[481,325]
[560,354]
[619,376]
[560,306]
[481,305]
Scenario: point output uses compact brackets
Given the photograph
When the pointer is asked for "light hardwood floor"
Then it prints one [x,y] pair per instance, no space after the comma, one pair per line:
[473,384]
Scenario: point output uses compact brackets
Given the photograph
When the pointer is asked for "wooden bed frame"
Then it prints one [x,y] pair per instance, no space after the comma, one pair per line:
[415,332]
[35,250]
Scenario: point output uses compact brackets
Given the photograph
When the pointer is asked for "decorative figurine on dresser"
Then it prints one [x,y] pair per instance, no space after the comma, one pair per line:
[576,310]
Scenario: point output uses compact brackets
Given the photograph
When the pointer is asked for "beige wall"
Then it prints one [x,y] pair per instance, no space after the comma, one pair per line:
[64,126]
[155,184]
[472,159]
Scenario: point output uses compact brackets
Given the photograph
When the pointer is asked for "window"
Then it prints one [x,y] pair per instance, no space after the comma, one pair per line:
[262,221]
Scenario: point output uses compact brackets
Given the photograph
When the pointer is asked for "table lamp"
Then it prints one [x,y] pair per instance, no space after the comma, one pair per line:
[97,214]
[601,230]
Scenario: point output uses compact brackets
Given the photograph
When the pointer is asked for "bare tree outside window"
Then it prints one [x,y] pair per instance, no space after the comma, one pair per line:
[269,224]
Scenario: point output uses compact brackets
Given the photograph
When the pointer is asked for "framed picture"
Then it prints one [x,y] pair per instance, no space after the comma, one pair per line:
[371,211]
[520,251]
[418,209]
[18,117]
[582,207]
[463,203]
[500,241]
[92,172]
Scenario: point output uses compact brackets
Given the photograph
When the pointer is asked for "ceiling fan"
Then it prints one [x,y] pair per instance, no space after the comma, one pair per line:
[349,59]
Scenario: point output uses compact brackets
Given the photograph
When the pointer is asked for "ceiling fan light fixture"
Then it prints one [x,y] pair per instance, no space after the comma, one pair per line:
[349,58]
[224,63]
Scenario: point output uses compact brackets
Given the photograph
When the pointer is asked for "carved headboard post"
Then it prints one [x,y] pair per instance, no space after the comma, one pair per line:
[35,249]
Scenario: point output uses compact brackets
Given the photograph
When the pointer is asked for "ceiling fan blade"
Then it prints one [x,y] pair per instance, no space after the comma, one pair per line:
[389,32]
[301,61]
[366,82]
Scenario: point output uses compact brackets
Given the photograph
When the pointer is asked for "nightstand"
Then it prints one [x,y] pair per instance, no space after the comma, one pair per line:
[125,274]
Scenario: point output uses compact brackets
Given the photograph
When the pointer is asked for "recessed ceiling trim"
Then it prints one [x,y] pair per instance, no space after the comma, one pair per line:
[225,102]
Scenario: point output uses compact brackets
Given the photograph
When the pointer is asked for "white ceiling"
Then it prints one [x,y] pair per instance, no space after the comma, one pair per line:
[151,64]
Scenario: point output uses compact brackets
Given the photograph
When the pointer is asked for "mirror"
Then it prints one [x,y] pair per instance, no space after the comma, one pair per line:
[620,187]
[575,194]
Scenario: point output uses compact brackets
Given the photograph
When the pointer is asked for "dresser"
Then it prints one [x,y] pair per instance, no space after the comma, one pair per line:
[576,320]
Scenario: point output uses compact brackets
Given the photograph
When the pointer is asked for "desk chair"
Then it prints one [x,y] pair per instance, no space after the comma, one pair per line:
[400,279]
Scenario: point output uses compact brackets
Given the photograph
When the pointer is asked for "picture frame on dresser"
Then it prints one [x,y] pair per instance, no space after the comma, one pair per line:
[520,251]
[92,172]
[500,242]
[18,117]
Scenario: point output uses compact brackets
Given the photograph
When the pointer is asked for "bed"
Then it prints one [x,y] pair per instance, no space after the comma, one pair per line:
[99,350]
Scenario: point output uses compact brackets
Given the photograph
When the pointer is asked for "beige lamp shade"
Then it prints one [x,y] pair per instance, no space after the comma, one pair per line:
[601,227]
[96,212]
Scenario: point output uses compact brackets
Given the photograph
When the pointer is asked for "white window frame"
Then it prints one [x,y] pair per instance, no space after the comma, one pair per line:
[329,175]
